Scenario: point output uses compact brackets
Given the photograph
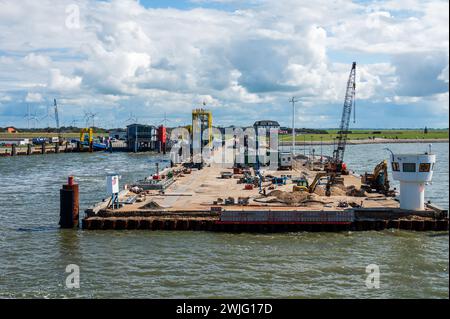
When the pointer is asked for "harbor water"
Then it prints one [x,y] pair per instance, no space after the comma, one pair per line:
[34,252]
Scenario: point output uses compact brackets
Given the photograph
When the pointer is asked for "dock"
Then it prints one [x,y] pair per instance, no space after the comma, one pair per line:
[214,198]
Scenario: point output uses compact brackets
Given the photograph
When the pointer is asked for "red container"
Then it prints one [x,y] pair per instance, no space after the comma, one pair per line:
[162,134]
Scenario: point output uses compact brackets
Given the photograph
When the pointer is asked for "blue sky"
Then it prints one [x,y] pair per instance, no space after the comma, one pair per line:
[151,59]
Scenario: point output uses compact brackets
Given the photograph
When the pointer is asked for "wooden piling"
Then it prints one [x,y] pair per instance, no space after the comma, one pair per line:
[13,150]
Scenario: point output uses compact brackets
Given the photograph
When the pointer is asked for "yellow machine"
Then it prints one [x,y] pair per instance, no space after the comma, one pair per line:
[90,135]
[378,180]
[203,118]
[319,176]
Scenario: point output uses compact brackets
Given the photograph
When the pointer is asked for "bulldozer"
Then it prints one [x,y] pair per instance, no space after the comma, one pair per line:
[377,182]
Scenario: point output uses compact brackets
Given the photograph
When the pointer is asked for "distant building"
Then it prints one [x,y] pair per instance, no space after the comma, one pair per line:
[267,124]
[141,138]
[14,141]
[11,129]
[264,140]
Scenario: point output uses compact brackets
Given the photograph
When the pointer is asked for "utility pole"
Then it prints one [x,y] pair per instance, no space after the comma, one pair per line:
[304,144]
[293,100]
[321,148]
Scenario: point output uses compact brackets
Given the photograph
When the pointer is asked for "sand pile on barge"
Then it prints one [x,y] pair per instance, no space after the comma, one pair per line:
[292,198]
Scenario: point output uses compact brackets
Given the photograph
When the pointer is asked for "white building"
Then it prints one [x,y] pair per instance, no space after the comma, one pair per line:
[15,141]
[413,171]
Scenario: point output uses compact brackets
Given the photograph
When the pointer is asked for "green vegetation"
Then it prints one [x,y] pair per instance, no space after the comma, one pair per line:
[370,134]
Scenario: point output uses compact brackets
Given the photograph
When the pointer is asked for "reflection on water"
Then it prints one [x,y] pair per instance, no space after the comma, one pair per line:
[34,252]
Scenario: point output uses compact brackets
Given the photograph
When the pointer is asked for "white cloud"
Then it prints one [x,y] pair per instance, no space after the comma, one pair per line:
[443,76]
[251,59]
[58,81]
[33,97]
[5,98]
[37,61]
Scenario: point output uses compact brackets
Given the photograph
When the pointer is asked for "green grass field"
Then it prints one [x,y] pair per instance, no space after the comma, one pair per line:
[356,135]
[366,134]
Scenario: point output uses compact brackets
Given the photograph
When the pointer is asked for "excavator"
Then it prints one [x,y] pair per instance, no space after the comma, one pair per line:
[303,185]
[377,181]
[331,178]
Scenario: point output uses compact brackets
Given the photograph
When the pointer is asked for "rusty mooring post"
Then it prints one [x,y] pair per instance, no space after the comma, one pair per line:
[69,204]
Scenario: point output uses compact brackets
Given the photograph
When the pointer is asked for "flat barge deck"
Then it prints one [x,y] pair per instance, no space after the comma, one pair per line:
[207,199]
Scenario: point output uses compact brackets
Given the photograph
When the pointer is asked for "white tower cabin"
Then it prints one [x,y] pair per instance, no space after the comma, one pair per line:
[413,171]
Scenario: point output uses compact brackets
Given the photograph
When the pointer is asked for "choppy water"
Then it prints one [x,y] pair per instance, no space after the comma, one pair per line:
[142,264]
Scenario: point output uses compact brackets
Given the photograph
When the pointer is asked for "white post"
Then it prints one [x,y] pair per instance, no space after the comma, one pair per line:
[293,125]
[293,100]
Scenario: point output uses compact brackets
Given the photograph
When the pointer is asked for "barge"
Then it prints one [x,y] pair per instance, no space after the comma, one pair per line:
[219,198]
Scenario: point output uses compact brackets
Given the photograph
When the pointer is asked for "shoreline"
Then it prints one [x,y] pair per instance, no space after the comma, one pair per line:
[367,141]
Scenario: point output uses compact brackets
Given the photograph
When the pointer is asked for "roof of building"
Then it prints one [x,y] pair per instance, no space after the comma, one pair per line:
[143,125]
[267,123]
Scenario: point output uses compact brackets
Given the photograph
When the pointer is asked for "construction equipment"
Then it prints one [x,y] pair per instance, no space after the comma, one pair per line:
[336,164]
[57,120]
[279,180]
[330,179]
[297,188]
[201,120]
[378,180]
[86,135]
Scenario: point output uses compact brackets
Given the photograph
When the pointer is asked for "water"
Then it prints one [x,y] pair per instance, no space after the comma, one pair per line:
[34,252]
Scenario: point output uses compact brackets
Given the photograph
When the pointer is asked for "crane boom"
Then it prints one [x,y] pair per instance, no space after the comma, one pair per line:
[57,120]
[56,114]
[338,154]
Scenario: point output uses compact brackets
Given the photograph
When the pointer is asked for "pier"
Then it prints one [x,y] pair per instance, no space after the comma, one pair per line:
[54,148]
[215,198]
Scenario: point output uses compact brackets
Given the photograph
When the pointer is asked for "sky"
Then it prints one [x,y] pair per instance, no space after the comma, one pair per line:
[155,60]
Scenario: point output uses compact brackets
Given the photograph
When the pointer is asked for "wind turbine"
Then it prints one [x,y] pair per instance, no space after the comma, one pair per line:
[47,116]
[74,122]
[87,117]
[34,118]
[28,116]
[31,117]
[132,119]
[93,115]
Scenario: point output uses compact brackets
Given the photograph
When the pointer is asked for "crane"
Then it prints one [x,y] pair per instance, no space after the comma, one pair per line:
[337,161]
[57,119]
